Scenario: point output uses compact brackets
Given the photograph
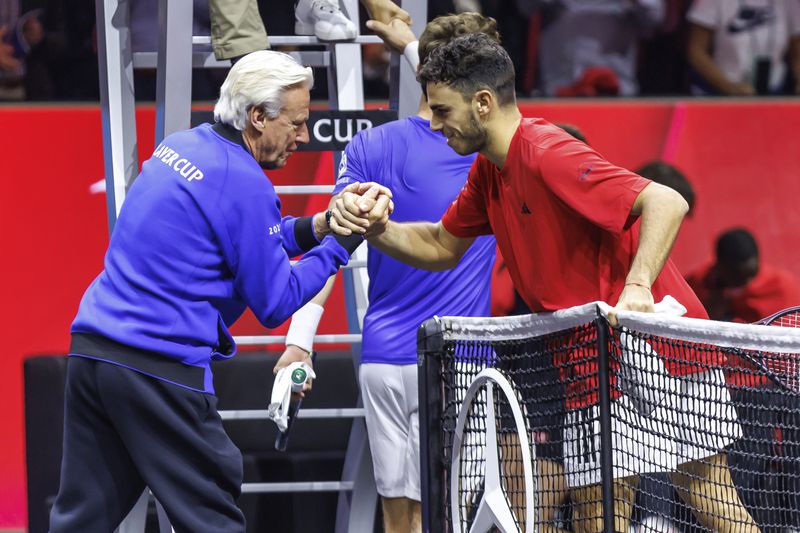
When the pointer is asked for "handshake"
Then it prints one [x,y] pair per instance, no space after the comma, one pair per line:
[360,208]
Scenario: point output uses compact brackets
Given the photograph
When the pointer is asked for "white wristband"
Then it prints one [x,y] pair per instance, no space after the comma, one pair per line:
[411,53]
[304,326]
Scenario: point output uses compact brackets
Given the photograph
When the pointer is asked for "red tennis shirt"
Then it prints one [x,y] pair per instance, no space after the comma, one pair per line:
[561,217]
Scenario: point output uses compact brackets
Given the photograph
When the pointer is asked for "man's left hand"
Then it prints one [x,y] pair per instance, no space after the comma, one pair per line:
[634,297]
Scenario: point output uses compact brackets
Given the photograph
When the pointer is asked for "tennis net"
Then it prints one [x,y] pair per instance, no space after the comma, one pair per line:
[560,422]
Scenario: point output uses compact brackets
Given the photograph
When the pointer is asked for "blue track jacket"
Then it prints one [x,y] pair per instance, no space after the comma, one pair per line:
[199,238]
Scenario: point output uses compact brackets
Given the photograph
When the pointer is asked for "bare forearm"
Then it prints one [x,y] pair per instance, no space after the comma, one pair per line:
[699,56]
[322,296]
[418,244]
[702,62]
[661,215]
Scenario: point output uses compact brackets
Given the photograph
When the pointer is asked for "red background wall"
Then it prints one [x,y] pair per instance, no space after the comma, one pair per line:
[742,158]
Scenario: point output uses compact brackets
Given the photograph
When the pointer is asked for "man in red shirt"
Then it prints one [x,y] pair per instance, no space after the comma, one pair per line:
[737,287]
[573,228]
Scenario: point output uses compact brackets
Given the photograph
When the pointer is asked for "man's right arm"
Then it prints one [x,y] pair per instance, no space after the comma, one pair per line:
[425,245]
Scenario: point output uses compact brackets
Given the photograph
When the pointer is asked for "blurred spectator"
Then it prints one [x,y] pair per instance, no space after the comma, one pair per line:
[11,66]
[144,38]
[669,176]
[61,63]
[590,46]
[513,18]
[737,286]
[573,130]
[375,69]
[663,68]
[737,48]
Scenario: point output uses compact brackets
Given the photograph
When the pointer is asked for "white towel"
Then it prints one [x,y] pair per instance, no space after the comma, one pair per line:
[278,410]
[642,374]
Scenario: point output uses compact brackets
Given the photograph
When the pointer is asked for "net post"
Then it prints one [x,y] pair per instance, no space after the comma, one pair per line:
[430,344]
[604,398]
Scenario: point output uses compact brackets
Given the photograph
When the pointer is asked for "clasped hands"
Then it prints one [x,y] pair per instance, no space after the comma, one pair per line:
[361,208]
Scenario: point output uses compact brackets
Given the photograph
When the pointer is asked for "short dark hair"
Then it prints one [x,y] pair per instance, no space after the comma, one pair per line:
[471,63]
[736,246]
[573,130]
[668,175]
[445,28]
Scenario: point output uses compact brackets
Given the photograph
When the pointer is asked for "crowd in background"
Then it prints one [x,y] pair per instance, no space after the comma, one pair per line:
[560,48]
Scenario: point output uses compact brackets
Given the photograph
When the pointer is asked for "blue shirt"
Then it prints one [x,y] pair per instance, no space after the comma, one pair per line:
[199,238]
[424,175]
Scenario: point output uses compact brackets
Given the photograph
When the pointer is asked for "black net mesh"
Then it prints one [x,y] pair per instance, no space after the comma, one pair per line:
[702,437]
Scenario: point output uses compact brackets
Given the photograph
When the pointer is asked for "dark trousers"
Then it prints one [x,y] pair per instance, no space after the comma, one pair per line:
[123,431]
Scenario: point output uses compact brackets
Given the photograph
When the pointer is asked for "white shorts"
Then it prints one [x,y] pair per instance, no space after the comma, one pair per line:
[694,418]
[391,402]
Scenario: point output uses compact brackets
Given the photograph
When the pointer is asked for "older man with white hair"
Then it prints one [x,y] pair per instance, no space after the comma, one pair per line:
[199,239]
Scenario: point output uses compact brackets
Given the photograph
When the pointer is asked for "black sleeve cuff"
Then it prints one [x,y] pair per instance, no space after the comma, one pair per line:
[304,233]
[349,242]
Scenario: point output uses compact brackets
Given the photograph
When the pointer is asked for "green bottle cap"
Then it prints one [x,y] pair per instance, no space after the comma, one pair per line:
[298,376]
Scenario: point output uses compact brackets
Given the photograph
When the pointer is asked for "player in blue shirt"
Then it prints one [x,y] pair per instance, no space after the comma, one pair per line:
[424,175]
[200,237]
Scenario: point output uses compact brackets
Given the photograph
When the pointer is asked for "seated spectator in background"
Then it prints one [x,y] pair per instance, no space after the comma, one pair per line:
[667,174]
[61,59]
[737,287]
[11,67]
[737,48]
[590,46]
[663,69]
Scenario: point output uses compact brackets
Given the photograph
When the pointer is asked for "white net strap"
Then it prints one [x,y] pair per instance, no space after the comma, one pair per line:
[723,334]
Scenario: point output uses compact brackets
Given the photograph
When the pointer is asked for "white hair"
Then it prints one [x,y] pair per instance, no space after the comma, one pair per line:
[259,79]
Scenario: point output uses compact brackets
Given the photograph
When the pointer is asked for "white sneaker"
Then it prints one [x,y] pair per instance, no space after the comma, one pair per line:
[324,19]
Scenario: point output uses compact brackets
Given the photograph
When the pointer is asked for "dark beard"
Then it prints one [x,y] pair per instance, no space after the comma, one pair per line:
[474,137]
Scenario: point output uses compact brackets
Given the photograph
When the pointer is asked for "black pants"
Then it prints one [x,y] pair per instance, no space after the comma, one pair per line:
[123,431]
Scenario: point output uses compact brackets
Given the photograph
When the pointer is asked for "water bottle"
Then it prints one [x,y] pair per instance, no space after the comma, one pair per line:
[299,376]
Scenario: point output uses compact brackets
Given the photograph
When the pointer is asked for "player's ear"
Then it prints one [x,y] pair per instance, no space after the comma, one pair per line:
[482,102]
[257,117]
